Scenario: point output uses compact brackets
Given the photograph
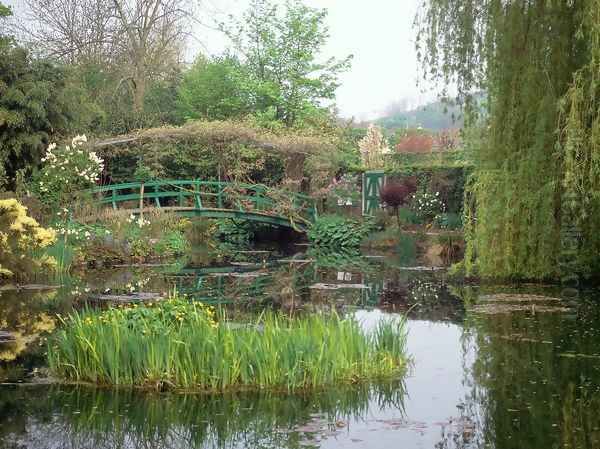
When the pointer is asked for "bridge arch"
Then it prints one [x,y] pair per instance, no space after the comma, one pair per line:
[212,199]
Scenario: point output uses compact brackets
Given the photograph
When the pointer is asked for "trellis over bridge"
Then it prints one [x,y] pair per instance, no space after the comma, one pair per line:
[213,199]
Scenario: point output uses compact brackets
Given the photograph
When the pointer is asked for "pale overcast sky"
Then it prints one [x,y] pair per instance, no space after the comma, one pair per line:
[380,35]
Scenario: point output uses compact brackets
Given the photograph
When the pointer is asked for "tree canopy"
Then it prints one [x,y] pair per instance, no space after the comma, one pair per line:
[33,104]
[536,60]
[214,89]
[280,47]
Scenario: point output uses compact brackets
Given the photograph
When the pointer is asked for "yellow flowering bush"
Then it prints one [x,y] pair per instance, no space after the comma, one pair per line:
[20,237]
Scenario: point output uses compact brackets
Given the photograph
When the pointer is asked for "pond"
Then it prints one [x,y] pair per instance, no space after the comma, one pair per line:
[492,367]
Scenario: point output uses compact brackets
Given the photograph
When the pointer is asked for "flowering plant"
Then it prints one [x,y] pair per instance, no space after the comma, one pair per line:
[68,169]
[373,148]
[343,191]
[20,237]
[427,205]
[75,232]
[151,319]
[140,222]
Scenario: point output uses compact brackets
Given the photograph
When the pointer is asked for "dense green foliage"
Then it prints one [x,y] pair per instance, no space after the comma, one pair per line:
[34,104]
[226,150]
[232,231]
[214,89]
[337,232]
[185,345]
[532,58]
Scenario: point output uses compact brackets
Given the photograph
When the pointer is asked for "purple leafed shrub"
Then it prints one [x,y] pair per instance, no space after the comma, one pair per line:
[397,193]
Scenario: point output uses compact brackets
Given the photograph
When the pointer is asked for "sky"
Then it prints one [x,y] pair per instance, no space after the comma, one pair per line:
[381,36]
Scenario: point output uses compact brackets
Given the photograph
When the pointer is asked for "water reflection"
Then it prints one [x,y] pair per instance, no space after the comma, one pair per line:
[526,378]
[536,378]
[26,316]
[95,418]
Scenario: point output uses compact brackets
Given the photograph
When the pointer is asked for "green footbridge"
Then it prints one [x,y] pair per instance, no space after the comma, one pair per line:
[213,199]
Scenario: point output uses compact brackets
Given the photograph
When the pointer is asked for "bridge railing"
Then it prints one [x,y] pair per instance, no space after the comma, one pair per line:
[198,195]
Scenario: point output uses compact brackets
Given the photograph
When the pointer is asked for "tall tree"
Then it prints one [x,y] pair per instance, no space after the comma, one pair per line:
[72,31]
[534,58]
[33,105]
[152,31]
[281,47]
[214,89]
[141,40]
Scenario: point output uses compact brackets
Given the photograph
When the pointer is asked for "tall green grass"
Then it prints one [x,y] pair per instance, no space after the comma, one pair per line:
[64,254]
[181,345]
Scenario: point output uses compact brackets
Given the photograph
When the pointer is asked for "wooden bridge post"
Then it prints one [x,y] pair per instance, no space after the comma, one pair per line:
[156,198]
[259,199]
[142,200]
[197,201]
[114,199]
[220,197]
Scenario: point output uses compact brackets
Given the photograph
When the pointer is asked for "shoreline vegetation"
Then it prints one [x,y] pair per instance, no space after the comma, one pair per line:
[177,344]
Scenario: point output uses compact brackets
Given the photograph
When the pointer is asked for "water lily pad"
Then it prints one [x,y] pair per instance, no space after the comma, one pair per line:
[323,286]
[581,356]
[502,309]
[517,298]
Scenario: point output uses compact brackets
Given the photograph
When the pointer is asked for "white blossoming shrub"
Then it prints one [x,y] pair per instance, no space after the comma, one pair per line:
[428,206]
[67,170]
[140,222]
[77,233]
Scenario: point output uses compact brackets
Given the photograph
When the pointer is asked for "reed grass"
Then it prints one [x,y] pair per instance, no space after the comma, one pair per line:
[183,345]
[63,254]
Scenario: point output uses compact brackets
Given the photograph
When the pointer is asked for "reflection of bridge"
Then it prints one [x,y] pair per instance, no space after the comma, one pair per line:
[255,282]
[209,284]
[213,199]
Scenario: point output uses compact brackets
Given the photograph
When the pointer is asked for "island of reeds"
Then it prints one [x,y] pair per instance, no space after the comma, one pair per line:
[187,345]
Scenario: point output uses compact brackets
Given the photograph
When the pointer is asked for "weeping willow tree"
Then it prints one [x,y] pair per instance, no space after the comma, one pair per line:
[537,181]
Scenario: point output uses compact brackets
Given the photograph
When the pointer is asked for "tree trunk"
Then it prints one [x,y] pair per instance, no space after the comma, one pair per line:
[139,91]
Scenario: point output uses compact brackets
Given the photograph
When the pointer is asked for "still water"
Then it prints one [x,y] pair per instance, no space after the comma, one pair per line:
[494,367]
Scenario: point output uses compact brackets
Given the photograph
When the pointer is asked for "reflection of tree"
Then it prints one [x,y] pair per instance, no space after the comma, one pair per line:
[534,380]
[421,295]
[27,315]
[464,431]
[99,418]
